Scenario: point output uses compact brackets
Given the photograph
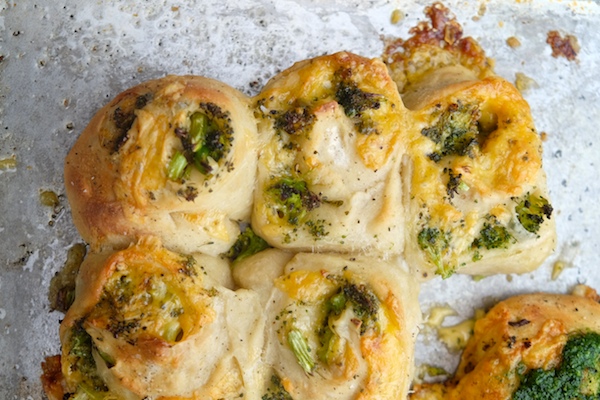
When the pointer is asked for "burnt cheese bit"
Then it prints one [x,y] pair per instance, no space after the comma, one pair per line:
[567,47]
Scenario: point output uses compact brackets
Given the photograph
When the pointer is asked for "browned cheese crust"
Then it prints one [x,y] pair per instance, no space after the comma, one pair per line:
[434,45]
[529,331]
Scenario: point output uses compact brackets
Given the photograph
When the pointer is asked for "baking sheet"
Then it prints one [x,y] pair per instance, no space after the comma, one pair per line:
[62,60]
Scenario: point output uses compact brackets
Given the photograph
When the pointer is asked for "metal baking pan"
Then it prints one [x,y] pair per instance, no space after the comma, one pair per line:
[60,61]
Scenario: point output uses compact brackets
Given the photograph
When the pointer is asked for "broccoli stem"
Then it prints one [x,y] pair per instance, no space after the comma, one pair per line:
[177,166]
[299,346]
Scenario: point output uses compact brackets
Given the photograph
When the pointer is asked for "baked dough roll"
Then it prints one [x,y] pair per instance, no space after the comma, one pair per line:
[150,323]
[174,157]
[475,192]
[536,346]
[327,177]
[338,327]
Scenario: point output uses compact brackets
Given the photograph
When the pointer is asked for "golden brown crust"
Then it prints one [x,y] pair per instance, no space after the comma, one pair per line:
[434,45]
[529,330]
[117,172]
[52,378]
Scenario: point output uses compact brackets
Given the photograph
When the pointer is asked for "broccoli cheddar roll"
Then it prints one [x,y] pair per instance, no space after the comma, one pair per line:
[327,175]
[337,327]
[150,323]
[535,346]
[174,157]
[475,191]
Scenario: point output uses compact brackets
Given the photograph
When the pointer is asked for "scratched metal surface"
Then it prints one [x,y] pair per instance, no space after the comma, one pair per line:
[62,60]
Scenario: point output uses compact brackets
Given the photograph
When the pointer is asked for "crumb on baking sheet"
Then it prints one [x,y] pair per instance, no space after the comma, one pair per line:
[513,42]
[480,12]
[567,47]
[543,136]
[397,16]
[524,82]
[49,198]
[424,371]
[9,163]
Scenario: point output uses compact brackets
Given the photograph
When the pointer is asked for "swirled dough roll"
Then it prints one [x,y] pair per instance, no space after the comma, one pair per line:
[475,191]
[174,157]
[327,176]
[337,327]
[545,343]
[475,194]
[150,323]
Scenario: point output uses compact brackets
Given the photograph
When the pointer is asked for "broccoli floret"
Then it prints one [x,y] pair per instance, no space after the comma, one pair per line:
[293,199]
[356,101]
[208,140]
[81,360]
[276,391]
[294,121]
[577,377]
[455,132]
[434,243]
[365,305]
[531,211]
[492,236]
[248,243]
